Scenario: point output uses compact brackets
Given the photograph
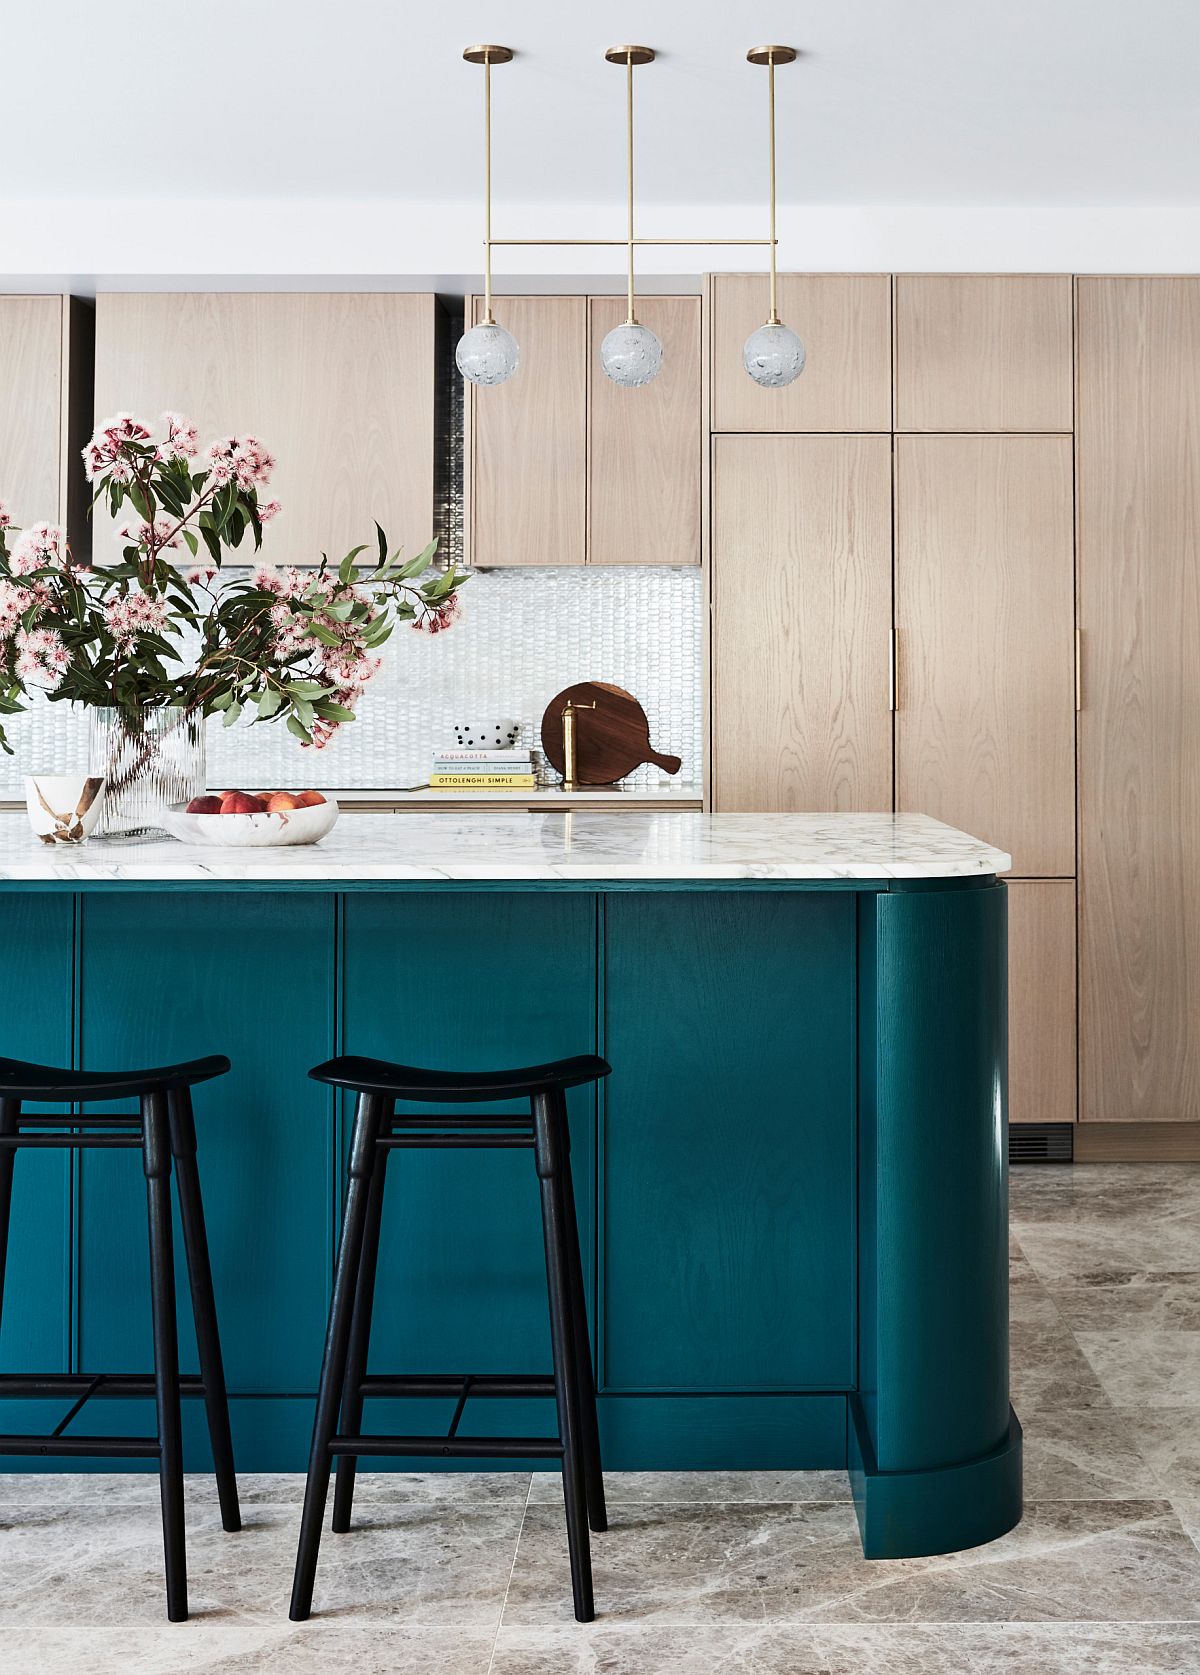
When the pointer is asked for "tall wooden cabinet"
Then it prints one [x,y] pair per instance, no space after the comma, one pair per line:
[45,411]
[1139,739]
[801,568]
[565,467]
[340,387]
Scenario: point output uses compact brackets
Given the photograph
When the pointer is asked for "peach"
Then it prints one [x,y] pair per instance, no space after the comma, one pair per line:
[237,802]
[205,805]
[309,799]
[281,801]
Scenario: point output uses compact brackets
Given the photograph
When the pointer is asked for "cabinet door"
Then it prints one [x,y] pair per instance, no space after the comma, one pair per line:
[1139,738]
[30,401]
[644,445]
[985,726]
[527,439]
[983,352]
[801,570]
[1041,1000]
[846,323]
[340,388]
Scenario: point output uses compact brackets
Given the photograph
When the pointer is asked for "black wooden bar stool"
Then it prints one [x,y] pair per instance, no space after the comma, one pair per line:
[163,1129]
[345,1382]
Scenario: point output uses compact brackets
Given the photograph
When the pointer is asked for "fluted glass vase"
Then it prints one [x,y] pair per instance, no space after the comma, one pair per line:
[150,759]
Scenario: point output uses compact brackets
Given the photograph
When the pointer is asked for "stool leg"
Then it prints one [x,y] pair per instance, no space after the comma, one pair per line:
[363,1155]
[157,1162]
[10,1111]
[204,1308]
[360,1339]
[548,1142]
[589,1426]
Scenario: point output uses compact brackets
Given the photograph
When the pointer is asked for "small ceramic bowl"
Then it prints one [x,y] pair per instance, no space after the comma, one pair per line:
[486,735]
[252,831]
[63,808]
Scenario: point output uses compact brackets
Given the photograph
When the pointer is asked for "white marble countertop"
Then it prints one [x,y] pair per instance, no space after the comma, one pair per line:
[569,847]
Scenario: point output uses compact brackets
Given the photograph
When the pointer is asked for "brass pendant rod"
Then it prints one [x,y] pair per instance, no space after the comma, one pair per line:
[774,317]
[487,190]
[625,241]
[630,320]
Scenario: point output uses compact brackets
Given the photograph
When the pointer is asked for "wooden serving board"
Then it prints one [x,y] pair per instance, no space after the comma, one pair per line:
[610,741]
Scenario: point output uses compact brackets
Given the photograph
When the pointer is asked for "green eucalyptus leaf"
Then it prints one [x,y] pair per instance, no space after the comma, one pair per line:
[299,730]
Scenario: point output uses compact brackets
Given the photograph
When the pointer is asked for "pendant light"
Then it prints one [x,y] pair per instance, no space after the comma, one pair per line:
[774,355]
[487,354]
[631,354]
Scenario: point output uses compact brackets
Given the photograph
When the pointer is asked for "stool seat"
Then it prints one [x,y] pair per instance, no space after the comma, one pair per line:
[406,1081]
[19,1080]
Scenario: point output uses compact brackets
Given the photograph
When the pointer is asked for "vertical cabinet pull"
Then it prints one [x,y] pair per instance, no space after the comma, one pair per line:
[1078,670]
[892,669]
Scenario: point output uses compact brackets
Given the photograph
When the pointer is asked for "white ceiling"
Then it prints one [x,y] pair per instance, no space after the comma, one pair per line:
[130,129]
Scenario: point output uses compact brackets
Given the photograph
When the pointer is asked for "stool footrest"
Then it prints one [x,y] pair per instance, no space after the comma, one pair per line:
[452,1384]
[74,1384]
[100,1448]
[466,1448]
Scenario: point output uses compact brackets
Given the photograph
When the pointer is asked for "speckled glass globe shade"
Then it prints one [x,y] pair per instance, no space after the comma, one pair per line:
[487,354]
[631,355]
[774,356]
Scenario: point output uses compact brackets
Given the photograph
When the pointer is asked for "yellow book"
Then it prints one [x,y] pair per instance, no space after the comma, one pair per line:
[484,782]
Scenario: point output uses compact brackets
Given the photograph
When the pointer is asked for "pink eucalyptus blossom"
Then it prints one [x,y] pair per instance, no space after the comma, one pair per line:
[268,510]
[130,614]
[439,617]
[42,658]
[183,439]
[5,516]
[41,547]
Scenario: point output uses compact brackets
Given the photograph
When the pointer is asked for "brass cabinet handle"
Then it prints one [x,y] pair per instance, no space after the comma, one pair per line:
[1078,670]
[892,704]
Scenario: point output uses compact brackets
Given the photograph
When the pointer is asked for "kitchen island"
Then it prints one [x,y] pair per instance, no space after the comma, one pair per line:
[792,1190]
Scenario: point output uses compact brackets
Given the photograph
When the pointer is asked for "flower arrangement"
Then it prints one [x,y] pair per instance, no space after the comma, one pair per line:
[165,629]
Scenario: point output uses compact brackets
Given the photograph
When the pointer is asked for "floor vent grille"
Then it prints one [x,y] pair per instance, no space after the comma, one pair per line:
[1041,1142]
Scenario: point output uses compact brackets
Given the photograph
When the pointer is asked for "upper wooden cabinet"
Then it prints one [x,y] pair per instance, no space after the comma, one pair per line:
[340,387]
[983,352]
[846,323]
[526,446]
[565,467]
[644,445]
[45,411]
[801,572]
[985,723]
[1139,733]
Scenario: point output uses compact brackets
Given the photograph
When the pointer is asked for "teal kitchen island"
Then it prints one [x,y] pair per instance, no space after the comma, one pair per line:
[792,1190]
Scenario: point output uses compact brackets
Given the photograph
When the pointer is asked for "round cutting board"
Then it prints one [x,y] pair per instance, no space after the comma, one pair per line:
[610,741]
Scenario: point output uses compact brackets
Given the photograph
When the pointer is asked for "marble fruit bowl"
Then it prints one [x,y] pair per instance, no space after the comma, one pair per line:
[252,831]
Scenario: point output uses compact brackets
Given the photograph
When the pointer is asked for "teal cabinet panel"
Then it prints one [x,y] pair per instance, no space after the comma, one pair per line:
[173,975]
[478,981]
[727,1149]
[37,937]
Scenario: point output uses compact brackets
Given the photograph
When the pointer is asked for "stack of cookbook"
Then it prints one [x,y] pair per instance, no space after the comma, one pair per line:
[456,769]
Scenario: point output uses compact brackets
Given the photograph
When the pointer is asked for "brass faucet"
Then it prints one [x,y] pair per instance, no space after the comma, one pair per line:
[568,726]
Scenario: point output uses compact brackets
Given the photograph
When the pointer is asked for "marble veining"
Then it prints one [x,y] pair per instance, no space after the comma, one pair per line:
[572,847]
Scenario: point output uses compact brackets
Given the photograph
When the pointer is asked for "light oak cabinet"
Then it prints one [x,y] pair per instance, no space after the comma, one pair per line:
[45,411]
[801,576]
[341,388]
[985,721]
[1041,1000]
[526,448]
[1138,441]
[565,467]
[845,321]
[986,352]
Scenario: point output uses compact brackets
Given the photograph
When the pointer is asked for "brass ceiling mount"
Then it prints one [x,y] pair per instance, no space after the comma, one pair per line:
[630,55]
[771,55]
[488,55]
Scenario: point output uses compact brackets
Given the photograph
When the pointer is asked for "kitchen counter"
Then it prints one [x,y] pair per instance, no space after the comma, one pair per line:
[792,1189]
[574,847]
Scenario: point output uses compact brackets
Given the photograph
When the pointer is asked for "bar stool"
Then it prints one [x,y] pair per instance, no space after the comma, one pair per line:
[163,1128]
[344,1380]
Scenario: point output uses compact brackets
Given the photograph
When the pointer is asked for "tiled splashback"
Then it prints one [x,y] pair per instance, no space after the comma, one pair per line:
[523,635]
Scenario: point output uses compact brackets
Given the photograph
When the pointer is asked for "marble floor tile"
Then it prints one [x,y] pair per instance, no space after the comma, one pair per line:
[677,1487]
[1151,1369]
[690,1565]
[1049,1370]
[1055,1649]
[1106,1225]
[1084,1454]
[289,1649]
[1167,1302]
[401,1563]
[1169,1440]
[141,1488]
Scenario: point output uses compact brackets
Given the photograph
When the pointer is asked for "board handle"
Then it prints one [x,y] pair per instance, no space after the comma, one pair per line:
[671,764]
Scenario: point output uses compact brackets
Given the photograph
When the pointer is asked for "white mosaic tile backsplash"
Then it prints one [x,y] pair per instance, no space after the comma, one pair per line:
[523,636]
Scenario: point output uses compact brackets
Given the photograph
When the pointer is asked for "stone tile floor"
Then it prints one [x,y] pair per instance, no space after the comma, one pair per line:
[703,1573]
